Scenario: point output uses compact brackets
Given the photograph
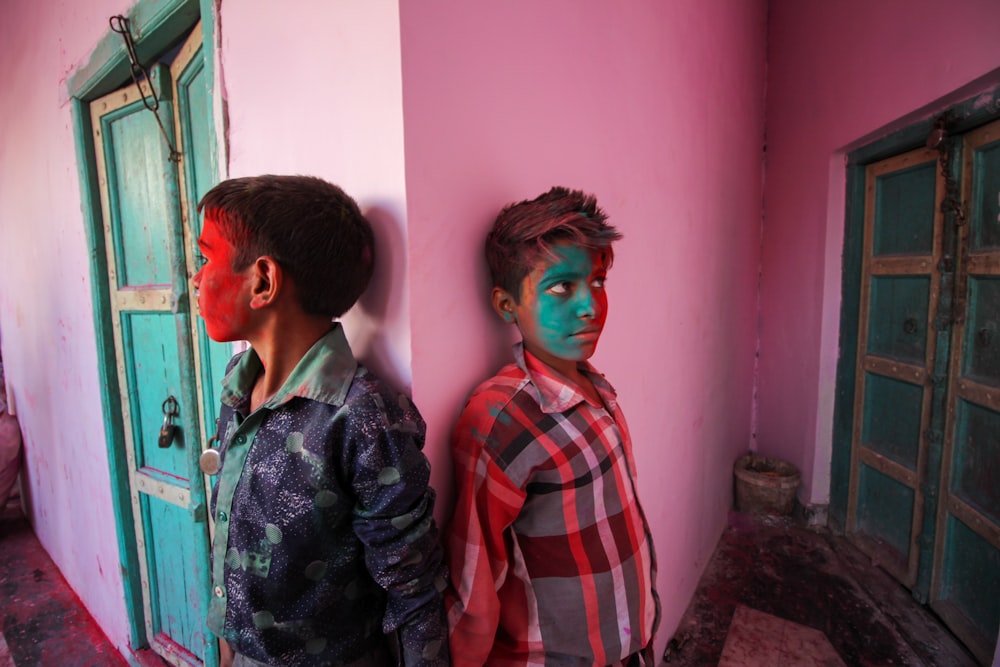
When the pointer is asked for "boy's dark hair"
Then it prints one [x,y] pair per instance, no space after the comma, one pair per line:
[527,230]
[311,228]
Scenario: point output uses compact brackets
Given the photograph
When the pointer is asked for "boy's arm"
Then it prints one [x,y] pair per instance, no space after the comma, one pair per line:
[487,504]
[394,519]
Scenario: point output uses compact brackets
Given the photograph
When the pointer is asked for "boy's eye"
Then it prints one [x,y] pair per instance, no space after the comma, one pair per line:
[598,282]
[561,288]
[200,259]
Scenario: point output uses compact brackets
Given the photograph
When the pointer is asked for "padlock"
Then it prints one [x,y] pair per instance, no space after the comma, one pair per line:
[167,433]
[169,430]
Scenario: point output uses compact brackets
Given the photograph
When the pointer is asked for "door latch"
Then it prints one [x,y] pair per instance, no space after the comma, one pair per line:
[169,429]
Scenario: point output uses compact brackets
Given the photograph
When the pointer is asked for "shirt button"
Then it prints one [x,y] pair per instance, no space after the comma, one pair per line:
[222,516]
[241,439]
[219,592]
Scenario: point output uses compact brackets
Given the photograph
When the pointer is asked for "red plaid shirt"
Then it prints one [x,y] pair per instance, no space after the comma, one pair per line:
[550,554]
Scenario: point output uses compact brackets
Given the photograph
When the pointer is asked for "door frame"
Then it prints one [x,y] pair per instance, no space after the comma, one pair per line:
[963,117]
[155,24]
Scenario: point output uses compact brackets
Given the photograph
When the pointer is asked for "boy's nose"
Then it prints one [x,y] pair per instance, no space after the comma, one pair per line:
[586,306]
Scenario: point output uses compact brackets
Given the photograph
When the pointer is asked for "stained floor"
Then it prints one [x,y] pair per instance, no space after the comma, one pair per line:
[42,621]
[775,594]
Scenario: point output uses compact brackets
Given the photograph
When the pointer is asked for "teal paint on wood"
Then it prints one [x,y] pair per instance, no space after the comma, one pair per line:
[194,106]
[968,557]
[843,412]
[158,363]
[977,459]
[176,584]
[939,387]
[958,535]
[111,397]
[153,370]
[982,335]
[904,211]
[141,179]
[885,511]
[898,317]
[892,419]
[899,290]
[985,219]
[156,24]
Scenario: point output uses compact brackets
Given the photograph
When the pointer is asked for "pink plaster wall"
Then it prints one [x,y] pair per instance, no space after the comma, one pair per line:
[322,95]
[839,75]
[49,350]
[657,107]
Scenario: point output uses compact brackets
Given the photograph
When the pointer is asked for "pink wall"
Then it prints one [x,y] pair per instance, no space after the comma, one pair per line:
[323,96]
[298,104]
[658,109]
[49,351]
[839,75]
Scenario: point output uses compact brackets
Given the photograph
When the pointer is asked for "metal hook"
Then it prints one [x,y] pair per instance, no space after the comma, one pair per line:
[120,24]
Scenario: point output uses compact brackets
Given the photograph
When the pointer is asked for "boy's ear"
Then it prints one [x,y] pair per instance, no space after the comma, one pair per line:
[268,278]
[503,303]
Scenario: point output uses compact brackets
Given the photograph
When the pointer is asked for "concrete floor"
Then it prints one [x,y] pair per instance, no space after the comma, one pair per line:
[42,621]
[775,594]
[796,589]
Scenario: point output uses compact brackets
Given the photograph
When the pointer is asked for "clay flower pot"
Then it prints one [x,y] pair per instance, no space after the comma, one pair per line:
[765,485]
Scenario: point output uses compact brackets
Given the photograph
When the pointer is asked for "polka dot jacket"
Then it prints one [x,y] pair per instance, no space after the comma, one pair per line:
[325,549]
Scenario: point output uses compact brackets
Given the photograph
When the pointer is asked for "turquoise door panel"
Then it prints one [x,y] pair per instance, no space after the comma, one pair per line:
[149,283]
[966,590]
[892,422]
[970,587]
[898,317]
[175,584]
[904,211]
[894,390]
[199,174]
[885,511]
[918,397]
[153,373]
[985,198]
[976,466]
[982,344]
[138,168]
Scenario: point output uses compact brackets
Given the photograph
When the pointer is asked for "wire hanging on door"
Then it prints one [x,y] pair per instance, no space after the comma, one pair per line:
[120,24]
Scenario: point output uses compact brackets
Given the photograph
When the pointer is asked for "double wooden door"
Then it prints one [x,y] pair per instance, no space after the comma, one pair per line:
[167,369]
[924,497]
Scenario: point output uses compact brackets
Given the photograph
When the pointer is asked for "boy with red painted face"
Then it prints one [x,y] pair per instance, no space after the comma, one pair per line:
[325,544]
[550,554]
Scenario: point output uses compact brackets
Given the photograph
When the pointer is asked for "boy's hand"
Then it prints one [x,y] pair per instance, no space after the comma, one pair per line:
[226,654]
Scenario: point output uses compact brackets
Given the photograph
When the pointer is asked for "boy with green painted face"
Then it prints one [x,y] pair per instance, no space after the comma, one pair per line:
[550,553]
[325,549]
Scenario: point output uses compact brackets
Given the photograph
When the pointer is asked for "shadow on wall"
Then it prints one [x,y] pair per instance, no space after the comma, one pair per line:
[378,316]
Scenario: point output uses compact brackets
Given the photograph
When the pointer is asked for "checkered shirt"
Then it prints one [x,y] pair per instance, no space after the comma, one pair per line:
[550,553]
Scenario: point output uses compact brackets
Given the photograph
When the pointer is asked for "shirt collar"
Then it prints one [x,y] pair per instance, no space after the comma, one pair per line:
[556,393]
[324,373]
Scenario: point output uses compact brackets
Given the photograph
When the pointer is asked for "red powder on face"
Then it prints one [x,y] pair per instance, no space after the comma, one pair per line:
[223,294]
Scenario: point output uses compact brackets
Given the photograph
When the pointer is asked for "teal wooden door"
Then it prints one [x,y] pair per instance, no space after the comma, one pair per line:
[146,205]
[924,489]
[966,582]
[897,347]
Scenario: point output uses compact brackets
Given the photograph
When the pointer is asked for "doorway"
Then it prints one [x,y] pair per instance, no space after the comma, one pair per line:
[917,419]
[147,154]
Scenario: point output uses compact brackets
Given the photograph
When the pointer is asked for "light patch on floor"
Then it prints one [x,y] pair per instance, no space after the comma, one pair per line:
[757,639]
